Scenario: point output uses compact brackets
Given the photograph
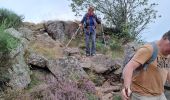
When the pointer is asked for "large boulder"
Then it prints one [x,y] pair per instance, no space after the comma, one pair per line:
[56,29]
[15,72]
[70,28]
[101,64]
[60,30]
[66,67]
[45,47]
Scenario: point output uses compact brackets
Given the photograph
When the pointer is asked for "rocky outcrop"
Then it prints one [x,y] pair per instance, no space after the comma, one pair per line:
[15,72]
[67,67]
[60,30]
[101,64]
[55,30]
[44,46]
[55,72]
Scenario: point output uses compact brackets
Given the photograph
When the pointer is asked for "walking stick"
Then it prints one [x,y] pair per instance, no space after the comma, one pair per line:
[103,35]
[73,36]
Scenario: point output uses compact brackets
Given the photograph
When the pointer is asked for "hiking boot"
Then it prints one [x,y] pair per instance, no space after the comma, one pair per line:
[92,54]
[87,55]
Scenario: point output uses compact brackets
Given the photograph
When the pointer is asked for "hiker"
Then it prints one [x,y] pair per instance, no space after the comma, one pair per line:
[148,83]
[89,23]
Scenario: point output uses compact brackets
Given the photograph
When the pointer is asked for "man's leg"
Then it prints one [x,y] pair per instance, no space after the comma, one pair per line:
[87,40]
[93,37]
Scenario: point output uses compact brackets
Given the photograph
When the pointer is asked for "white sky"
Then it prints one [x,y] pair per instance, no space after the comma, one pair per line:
[42,10]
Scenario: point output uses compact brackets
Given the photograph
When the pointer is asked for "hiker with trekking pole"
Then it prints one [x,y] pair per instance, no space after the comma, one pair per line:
[89,23]
[144,76]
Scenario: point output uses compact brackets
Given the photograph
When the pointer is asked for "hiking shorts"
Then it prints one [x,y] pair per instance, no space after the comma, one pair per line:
[136,96]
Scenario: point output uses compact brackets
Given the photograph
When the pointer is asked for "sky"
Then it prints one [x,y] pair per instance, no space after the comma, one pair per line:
[42,10]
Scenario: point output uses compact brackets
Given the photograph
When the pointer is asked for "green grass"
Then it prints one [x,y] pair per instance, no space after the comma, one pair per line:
[10,19]
[91,96]
[7,41]
[34,81]
[117,98]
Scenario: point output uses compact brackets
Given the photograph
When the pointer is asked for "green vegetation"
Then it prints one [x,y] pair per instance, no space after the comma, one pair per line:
[7,41]
[91,96]
[128,17]
[95,78]
[117,98]
[34,81]
[9,19]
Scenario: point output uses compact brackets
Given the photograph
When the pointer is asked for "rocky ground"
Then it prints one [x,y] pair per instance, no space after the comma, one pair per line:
[42,68]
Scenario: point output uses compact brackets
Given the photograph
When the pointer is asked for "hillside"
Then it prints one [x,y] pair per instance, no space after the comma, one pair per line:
[41,67]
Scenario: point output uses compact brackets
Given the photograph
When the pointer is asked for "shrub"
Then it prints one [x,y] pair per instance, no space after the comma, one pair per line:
[100,47]
[9,19]
[7,41]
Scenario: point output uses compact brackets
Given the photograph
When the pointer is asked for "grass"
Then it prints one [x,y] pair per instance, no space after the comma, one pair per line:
[97,79]
[91,96]
[34,81]
[7,41]
[10,19]
[117,98]
[47,50]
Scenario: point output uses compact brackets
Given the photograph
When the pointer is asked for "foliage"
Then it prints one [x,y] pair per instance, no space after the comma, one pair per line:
[101,47]
[7,41]
[9,19]
[70,90]
[34,81]
[129,17]
[96,78]
[91,96]
[117,98]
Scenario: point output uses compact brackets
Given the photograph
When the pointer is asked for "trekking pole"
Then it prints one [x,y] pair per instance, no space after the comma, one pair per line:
[103,35]
[73,36]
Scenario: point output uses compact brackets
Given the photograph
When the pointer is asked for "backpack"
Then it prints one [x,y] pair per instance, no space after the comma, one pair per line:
[87,20]
[130,53]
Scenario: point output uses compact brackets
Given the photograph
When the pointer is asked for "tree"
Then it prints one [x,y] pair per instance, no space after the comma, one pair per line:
[130,17]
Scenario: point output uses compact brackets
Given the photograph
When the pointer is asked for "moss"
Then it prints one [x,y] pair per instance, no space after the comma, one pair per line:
[34,81]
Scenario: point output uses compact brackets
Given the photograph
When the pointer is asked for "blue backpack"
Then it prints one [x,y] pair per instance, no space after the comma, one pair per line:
[88,21]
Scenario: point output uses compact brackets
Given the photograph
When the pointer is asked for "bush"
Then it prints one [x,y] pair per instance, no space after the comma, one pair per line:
[10,19]
[101,47]
[7,41]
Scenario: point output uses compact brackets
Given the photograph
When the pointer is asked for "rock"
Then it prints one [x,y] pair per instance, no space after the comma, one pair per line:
[71,51]
[34,27]
[56,30]
[111,89]
[27,33]
[101,64]
[44,46]
[108,96]
[70,28]
[67,67]
[15,33]
[129,51]
[37,60]
[14,71]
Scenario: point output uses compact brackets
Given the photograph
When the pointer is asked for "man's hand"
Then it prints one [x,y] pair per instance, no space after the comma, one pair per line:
[80,25]
[126,92]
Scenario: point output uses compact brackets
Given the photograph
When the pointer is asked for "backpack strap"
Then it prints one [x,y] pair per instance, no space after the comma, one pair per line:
[153,57]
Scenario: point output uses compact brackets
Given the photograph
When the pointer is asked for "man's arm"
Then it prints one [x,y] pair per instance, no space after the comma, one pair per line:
[141,56]
[127,76]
